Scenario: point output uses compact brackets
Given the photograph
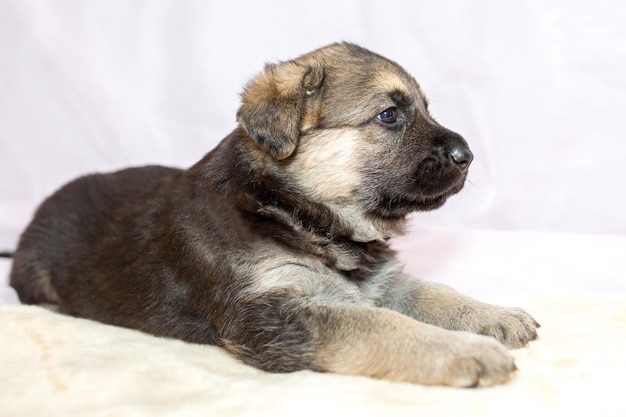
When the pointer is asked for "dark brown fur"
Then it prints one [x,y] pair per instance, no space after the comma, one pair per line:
[274,245]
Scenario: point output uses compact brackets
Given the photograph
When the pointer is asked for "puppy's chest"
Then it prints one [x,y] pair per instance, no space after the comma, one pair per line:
[357,261]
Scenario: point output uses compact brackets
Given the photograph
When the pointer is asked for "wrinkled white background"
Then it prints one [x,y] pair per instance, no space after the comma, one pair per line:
[537,88]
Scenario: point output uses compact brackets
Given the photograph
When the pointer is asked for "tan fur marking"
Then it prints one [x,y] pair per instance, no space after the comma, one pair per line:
[309,121]
[287,78]
[327,167]
[44,284]
[326,164]
[283,273]
[384,344]
[442,306]
[391,81]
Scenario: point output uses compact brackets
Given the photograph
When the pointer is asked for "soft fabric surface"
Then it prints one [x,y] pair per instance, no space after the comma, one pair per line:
[52,364]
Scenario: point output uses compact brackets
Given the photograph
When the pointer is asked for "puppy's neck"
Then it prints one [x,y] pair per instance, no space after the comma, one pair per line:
[277,206]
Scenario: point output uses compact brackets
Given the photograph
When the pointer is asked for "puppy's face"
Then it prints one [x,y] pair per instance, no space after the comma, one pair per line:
[352,130]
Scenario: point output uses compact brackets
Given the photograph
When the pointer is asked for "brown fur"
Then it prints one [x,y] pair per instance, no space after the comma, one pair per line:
[274,245]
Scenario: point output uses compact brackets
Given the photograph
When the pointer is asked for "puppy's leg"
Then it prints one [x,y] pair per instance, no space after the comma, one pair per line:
[377,342]
[442,306]
[381,343]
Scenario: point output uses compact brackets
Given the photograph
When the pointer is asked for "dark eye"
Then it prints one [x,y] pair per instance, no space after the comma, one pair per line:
[389,115]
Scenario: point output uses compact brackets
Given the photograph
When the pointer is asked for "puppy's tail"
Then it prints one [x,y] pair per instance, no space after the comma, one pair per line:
[6,254]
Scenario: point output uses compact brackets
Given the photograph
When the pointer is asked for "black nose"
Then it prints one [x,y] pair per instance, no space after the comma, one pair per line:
[461,156]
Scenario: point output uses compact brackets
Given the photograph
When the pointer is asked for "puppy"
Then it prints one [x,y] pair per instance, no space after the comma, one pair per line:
[275,245]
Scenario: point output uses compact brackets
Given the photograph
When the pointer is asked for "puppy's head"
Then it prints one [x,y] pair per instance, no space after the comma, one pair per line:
[352,130]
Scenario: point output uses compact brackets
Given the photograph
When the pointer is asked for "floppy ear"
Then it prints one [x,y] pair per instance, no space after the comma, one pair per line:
[275,102]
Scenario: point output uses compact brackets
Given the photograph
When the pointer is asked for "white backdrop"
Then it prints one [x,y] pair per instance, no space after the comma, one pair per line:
[537,88]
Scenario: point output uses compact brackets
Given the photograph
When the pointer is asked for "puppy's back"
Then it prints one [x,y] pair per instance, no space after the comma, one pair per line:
[68,222]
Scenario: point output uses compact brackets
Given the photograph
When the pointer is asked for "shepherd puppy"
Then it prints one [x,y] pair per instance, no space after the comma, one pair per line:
[275,245]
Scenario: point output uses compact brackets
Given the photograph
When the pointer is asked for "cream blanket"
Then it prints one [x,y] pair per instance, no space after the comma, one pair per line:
[52,364]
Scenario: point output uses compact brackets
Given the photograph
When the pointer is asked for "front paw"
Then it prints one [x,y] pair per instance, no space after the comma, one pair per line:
[512,327]
[468,360]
